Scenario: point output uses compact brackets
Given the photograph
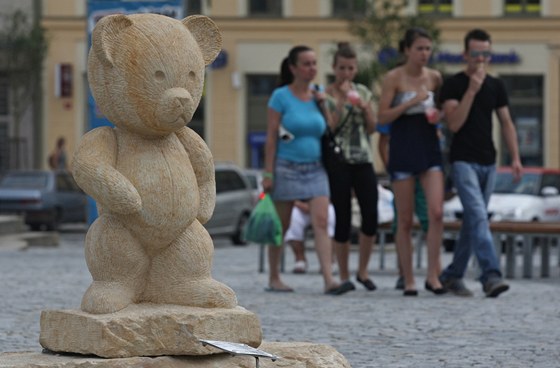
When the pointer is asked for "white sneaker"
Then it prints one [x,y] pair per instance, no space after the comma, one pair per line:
[300,267]
[334,268]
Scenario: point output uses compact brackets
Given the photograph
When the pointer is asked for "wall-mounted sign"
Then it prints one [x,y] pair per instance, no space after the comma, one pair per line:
[446,57]
[97,9]
[63,80]
[387,55]
[220,61]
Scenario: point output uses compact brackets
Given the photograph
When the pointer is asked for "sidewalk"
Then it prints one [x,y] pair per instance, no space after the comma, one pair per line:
[521,328]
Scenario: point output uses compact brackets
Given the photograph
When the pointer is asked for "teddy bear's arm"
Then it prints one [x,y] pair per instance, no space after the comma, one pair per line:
[94,171]
[203,166]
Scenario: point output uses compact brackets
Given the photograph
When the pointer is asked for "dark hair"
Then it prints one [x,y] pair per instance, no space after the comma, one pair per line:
[286,76]
[60,142]
[411,35]
[476,34]
[344,50]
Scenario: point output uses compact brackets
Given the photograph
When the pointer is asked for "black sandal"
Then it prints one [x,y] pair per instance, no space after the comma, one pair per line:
[368,284]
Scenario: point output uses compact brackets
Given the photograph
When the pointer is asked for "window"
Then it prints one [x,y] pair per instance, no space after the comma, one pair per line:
[194,7]
[522,7]
[551,180]
[265,8]
[228,181]
[197,121]
[259,89]
[349,8]
[4,102]
[526,107]
[435,7]
[4,148]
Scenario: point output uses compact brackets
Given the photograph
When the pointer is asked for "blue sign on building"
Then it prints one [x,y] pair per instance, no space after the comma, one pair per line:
[97,9]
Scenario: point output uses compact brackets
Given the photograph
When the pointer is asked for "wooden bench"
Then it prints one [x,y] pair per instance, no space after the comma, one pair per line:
[544,231]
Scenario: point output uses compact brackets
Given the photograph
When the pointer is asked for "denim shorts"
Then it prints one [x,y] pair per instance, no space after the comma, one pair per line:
[293,181]
[401,175]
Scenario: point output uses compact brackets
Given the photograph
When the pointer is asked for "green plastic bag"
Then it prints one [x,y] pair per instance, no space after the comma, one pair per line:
[264,225]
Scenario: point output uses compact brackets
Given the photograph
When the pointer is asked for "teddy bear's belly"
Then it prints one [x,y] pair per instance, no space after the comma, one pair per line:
[168,188]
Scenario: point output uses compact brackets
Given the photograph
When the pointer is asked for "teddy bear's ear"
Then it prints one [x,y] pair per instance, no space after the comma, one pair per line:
[206,34]
[105,33]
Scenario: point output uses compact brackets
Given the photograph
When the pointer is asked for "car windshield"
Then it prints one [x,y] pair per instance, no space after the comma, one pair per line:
[252,180]
[25,181]
[529,184]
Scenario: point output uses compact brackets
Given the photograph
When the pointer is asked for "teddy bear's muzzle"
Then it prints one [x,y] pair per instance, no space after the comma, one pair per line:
[175,108]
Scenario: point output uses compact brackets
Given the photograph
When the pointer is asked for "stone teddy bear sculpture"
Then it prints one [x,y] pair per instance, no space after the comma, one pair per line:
[151,176]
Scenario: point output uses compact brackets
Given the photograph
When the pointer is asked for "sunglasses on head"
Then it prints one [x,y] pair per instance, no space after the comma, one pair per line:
[475,54]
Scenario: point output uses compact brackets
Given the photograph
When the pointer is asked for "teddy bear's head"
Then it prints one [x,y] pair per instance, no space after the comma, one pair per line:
[146,71]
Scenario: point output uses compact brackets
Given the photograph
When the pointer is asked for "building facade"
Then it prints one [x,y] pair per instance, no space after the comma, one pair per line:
[20,139]
[257,34]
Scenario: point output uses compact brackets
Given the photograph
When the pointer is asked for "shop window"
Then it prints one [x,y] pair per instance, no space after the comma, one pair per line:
[435,7]
[4,101]
[265,8]
[194,7]
[4,148]
[197,121]
[522,7]
[526,108]
[259,89]
[349,8]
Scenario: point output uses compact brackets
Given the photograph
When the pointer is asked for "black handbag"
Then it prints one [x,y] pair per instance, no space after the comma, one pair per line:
[331,152]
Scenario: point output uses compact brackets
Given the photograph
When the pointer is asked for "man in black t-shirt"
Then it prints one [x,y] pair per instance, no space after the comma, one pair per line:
[468,99]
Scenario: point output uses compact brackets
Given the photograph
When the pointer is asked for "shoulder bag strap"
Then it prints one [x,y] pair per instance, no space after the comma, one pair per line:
[341,125]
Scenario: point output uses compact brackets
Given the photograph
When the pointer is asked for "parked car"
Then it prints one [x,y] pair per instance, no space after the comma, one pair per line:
[234,202]
[536,197]
[255,179]
[44,198]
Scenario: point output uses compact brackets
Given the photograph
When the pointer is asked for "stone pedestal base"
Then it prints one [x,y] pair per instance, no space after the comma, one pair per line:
[291,355]
[147,330]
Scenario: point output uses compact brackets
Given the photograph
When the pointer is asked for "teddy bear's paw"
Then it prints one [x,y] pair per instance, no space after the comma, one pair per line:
[106,297]
[203,293]
[219,295]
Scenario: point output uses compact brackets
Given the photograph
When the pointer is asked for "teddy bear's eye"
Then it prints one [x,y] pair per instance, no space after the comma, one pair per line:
[192,76]
[160,75]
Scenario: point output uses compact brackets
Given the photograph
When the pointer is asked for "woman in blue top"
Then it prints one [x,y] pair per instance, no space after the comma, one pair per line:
[293,168]
[407,100]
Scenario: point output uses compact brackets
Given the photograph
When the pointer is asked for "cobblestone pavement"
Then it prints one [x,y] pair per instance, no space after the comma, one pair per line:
[521,328]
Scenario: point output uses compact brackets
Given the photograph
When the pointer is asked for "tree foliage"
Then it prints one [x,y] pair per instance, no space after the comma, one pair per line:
[23,47]
[380,31]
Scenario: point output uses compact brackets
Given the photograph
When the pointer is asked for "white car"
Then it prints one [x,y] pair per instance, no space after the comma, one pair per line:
[536,197]
[255,179]
[385,211]
[234,202]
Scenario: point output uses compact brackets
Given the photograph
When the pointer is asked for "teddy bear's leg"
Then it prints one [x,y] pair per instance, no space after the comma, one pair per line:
[182,273]
[118,265]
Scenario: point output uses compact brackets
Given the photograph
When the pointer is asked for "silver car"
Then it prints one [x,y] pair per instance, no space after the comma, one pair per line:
[255,179]
[234,202]
[44,198]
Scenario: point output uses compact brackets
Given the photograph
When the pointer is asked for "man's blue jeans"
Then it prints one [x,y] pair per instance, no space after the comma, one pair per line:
[474,184]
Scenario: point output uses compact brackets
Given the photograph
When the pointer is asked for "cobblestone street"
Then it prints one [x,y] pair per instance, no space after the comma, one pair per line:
[521,328]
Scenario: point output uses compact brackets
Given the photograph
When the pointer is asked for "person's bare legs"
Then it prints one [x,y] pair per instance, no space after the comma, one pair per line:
[298,248]
[342,255]
[284,209]
[432,183]
[404,202]
[319,218]
[365,247]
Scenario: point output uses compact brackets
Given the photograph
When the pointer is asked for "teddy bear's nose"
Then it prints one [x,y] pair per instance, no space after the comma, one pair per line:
[174,104]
